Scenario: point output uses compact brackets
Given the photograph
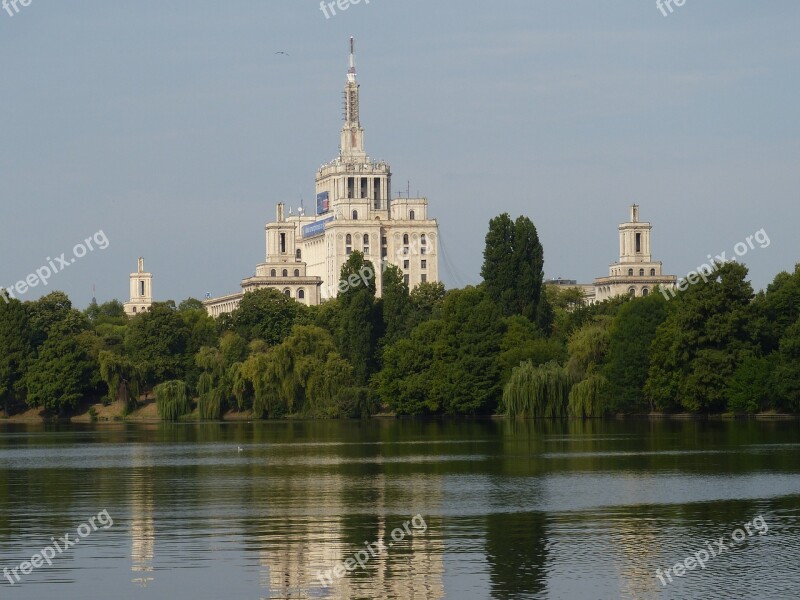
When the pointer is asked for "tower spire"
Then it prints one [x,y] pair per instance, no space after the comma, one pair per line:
[352,144]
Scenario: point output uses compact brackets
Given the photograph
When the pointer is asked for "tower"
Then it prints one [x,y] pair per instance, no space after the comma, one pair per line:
[636,273]
[141,287]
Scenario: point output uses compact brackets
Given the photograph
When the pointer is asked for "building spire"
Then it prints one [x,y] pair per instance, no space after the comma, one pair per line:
[352,144]
[351,72]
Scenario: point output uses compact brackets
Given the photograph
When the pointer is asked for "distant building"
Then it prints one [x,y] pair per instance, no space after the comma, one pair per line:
[636,273]
[354,212]
[141,284]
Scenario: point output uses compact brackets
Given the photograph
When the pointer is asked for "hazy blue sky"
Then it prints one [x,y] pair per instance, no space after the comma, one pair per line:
[175,128]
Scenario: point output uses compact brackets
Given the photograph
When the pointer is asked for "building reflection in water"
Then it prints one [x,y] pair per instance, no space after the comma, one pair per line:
[311,543]
[143,533]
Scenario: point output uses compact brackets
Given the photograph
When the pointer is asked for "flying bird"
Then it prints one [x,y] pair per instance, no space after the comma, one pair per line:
[282,52]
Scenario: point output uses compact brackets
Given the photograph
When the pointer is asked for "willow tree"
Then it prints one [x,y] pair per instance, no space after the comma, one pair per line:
[121,376]
[538,392]
[589,398]
[172,400]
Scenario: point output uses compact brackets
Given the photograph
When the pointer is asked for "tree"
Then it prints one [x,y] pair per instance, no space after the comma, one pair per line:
[358,330]
[397,307]
[64,372]
[46,312]
[265,314]
[513,266]
[16,352]
[628,363]
[703,340]
[158,340]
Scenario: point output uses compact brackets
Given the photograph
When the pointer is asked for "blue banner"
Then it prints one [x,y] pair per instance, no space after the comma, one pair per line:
[323,203]
[317,228]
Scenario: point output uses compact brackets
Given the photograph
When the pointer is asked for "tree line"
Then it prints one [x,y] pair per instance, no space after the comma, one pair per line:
[509,345]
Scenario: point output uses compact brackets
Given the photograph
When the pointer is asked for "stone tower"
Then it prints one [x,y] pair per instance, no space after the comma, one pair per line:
[141,284]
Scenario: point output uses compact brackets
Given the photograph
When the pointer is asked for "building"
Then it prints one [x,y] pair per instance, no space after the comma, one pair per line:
[636,273]
[141,284]
[354,211]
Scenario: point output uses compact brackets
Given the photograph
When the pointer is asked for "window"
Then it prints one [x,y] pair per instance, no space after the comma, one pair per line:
[638,242]
[411,215]
[423,250]
[141,288]
[297,272]
[630,272]
[301,294]
[273,273]
[283,243]
[423,240]
[355,215]
[285,273]
[423,264]
[405,240]
[641,272]
[405,264]
[134,309]
[287,292]
[366,239]
[348,240]
[424,278]
[632,292]
[351,182]
[298,255]
[406,279]
[645,292]
[652,272]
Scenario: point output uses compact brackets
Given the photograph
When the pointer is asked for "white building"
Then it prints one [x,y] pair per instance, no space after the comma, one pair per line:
[355,211]
[636,273]
[141,284]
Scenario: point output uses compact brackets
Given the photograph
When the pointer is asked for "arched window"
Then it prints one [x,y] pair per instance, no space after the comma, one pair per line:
[366,239]
[411,215]
[652,272]
[285,273]
[630,272]
[348,240]
[301,294]
[423,239]
[641,272]
[632,292]
[298,254]
[297,272]
[134,309]
[405,239]
[287,292]
[273,273]
[645,292]
[355,215]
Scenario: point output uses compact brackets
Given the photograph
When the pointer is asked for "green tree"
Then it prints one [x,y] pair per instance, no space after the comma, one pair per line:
[628,363]
[397,307]
[513,266]
[699,346]
[159,340]
[265,314]
[64,372]
[16,352]
[359,325]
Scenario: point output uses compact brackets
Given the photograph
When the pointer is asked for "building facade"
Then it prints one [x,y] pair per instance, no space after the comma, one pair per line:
[141,284]
[636,273]
[354,211]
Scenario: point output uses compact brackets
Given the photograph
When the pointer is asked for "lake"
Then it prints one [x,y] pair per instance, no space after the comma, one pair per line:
[401,509]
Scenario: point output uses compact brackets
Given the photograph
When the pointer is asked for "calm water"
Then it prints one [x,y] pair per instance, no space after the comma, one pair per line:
[510,510]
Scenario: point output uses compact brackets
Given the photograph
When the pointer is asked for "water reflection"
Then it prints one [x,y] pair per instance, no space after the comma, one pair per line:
[513,510]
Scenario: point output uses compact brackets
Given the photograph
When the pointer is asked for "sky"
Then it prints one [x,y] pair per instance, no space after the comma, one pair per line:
[174,128]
